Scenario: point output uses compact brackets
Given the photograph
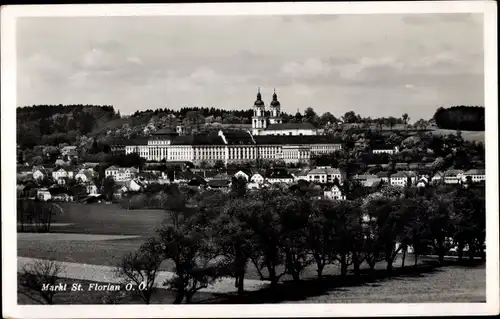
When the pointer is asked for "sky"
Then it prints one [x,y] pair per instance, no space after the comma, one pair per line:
[375,65]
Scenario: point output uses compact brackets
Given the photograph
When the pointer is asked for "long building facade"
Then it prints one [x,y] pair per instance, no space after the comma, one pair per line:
[269,139]
[232,147]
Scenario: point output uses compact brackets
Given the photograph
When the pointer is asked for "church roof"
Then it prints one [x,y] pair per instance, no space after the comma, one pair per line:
[291,126]
[296,139]
[197,139]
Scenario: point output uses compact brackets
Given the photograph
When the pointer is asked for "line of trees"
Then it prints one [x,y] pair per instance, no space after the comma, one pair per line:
[282,233]
[35,216]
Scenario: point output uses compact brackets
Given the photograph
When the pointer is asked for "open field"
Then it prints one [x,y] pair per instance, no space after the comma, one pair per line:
[108,219]
[467,135]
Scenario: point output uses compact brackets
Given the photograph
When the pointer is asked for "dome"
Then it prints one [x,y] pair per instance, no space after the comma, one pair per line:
[275,102]
[259,101]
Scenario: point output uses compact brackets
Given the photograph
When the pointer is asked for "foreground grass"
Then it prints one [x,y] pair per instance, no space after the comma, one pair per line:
[424,283]
[421,284]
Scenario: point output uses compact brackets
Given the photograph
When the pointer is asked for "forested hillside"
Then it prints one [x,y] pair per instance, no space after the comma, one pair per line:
[465,118]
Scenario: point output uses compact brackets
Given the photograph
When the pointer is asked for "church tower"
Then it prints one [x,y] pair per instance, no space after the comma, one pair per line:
[259,121]
[275,110]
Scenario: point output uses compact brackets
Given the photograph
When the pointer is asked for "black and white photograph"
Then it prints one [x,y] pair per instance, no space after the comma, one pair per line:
[324,157]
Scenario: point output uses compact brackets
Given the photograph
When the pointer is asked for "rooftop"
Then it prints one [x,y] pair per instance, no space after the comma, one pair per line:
[291,126]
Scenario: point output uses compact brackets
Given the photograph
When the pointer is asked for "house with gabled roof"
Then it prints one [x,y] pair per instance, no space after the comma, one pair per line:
[60,175]
[384,176]
[399,179]
[438,177]
[385,148]
[257,177]
[324,175]
[278,175]
[334,193]
[84,176]
[453,176]
[121,174]
[476,175]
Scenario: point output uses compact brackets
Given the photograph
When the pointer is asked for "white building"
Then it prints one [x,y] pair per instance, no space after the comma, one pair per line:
[84,175]
[121,174]
[387,149]
[453,176]
[231,146]
[61,174]
[324,175]
[399,179]
[334,194]
[241,174]
[257,178]
[278,176]
[437,178]
[477,175]
[43,194]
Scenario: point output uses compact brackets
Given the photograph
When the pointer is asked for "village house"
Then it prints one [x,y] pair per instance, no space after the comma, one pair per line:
[84,175]
[257,178]
[334,193]
[453,176]
[121,174]
[60,175]
[279,176]
[422,182]
[399,179]
[243,174]
[367,180]
[384,176]
[324,175]
[43,194]
[91,188]
[437,178]
[132,185]
[69,151]
[477,175]
[300,175]
[218,184]
[39,172]
[385,148]
[412,176]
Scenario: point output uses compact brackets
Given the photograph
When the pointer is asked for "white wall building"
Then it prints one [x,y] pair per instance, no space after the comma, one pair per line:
[334,194]
[121,174]
[399,179]
[324,175]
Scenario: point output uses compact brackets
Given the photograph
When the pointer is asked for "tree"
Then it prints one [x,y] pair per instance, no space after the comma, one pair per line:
[195,265]
[141,268]
[108,186]
[238,187]
[234,239]
[439,226]
[262,218]
[350,117]
[326,118]
[40,278]
[320,235]
[405,118]
[386,212]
